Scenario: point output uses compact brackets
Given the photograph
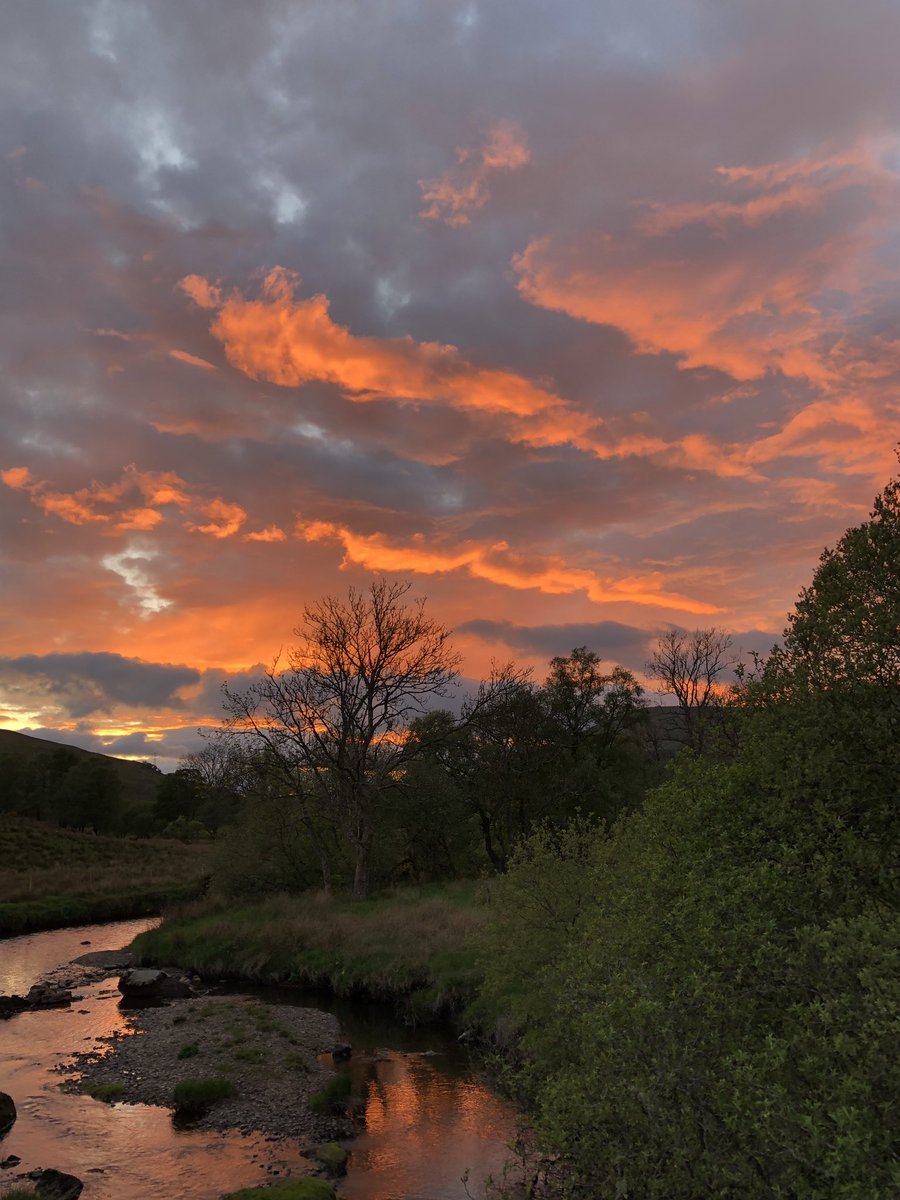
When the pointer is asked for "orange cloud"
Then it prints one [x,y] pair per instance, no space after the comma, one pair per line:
[720,283]
[497,564]
[291,342]
[104,502]
[453,196]
[192,359]
[271,533]
[225,519]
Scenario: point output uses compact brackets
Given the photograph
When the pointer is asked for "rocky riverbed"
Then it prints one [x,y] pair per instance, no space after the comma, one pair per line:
[276,1057]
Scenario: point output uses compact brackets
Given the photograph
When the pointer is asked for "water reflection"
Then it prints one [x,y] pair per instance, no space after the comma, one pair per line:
[424,1127]
[428,1118]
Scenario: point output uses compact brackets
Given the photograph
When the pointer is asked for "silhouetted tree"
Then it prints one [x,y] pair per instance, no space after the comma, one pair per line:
[689,666]
[334,717]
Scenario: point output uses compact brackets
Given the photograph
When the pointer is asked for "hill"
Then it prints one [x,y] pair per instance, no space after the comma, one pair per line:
[138,780]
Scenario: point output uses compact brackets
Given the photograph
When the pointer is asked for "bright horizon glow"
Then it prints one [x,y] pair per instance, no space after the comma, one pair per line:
[585,324]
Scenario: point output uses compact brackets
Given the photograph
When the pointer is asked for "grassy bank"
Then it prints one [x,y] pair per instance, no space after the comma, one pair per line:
[416,947]
[53,877]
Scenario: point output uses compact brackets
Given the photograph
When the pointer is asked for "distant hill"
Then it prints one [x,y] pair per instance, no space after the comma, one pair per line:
[138,780]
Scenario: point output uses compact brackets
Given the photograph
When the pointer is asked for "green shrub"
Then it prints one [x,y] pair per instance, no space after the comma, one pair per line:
[288,1189]
[189,1050]
[195,1096]
[105,1091]
[333,1095]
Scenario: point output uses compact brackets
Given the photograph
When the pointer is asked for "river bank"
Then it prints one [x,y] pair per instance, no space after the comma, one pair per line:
[51,878]
[275,1060]
[426,1116]
[418,949]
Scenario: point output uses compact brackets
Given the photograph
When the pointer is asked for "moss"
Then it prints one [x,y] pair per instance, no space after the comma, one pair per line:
[289,1189]
[332,1156]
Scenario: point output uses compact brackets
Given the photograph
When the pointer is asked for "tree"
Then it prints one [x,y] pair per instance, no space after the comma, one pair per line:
[334,719]
[689,666]
[720,1019]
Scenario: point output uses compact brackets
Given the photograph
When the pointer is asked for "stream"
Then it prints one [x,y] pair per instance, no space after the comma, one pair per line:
[429,1117]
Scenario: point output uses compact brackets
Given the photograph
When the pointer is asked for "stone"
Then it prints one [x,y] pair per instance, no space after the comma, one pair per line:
[48,995]
[152,984]
[11,1160]
[12,1004]
[7,1112]
[56,1185]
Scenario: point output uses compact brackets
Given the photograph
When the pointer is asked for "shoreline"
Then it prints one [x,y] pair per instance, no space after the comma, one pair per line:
[273,1056]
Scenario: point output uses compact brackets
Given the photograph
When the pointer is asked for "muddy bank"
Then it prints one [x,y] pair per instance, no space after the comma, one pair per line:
[270,1053]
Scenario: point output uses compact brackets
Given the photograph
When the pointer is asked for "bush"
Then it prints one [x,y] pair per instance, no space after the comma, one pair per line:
[106,1091]
[333,1095]
[194,1096]
[190,1050]
[288,1189]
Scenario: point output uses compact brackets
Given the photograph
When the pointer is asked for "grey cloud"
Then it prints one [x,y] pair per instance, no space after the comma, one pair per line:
[89,682]
[606,638]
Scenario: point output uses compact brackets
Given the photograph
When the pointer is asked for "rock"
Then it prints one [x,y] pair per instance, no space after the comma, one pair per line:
[48,995]
[11,1160]
[151,984]
[85,943]
[341,1050]
[7,1112]
[12,1004]
[56,1185]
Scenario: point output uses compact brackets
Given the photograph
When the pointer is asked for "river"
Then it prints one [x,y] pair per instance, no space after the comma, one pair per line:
[429,1117]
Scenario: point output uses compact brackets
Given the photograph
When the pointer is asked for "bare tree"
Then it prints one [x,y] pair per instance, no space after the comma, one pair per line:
[688,666]
[333,718]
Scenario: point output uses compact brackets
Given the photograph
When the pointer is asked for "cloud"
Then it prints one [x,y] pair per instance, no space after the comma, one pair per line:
[88,683]
[292,342]
[609,639]
[453,196]
[498,564]
[745,284]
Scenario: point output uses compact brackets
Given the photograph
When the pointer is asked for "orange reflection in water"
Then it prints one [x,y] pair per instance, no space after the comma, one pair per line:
[424,1128]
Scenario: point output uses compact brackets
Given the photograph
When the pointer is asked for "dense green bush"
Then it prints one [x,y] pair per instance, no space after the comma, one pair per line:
[288,1189]
[720,1017]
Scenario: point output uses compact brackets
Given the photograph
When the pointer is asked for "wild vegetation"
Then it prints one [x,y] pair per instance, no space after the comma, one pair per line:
[695,975]
[51,876]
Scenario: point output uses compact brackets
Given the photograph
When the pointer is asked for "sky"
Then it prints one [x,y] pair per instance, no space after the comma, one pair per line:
[580,317]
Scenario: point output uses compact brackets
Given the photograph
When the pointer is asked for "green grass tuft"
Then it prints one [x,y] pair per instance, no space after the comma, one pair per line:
[333,1095]
[288,1189]
[194,1096]
[105,1091]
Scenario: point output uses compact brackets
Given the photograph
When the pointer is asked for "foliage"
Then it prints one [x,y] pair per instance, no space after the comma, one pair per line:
[193,1097]
[333,1095]
[107,1092]
[719,1021]
[287,1189]
[415,946]
[54,877]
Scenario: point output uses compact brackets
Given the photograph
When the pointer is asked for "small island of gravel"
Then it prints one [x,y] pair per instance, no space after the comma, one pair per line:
[269,1053]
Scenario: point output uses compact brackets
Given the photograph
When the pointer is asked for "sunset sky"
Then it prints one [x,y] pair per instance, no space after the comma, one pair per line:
[581,316]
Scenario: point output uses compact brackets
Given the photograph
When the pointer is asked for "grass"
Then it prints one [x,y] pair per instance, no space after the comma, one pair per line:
[52,877]
[288,1189]
[333,1095]
[416,946]
[105,1091]
[194,1096]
